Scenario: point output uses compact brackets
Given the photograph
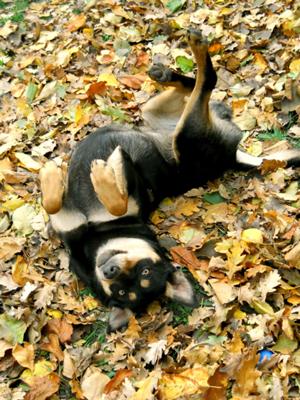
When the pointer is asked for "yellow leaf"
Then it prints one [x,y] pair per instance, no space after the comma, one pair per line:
[90,303]
[186,207]
[110,79]
[12,204]
[54,313]
[252,235]
[146,387]
[24,355]
[295,66]
[41,368]
[28,162]
[77,22]
[188,383]
[20,271]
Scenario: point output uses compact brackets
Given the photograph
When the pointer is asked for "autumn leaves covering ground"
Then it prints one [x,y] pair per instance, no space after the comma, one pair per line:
[68,67]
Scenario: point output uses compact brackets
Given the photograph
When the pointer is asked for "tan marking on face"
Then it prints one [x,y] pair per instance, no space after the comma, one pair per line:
[145,283]
[136,250]
[105,283]
[132,296]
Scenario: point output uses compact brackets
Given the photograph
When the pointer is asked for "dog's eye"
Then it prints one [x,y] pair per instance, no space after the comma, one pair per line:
[146,271]
[121,292]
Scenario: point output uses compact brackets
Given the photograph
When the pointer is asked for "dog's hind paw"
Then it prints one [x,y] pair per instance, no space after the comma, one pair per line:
[52,187]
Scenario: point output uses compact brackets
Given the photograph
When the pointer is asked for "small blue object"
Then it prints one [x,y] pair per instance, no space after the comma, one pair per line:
[264,355]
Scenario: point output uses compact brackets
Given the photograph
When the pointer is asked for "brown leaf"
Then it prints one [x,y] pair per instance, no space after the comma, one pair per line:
[133,81]
[41,388]
[117,380]
[219,382]
[61,327]
[24,355]
[96,88]
[9,247]
[53,346]
[77,22]
[183,256]
[271,165]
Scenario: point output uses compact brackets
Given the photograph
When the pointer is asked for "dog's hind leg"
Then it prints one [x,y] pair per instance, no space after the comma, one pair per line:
[52,187]
[196,115]
[109,182]
[163,111]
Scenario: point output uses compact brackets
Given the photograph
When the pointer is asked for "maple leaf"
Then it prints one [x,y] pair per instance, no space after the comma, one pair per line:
[155,352]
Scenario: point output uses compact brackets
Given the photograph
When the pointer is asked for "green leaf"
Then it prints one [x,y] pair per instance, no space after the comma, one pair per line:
[116,114]
[11,329]
[31,92]
[185,64]
[261,307]
[213,198]
[285,345]
[175,5]
[276,134]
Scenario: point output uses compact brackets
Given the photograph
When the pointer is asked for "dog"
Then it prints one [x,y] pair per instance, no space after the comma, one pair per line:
[118,175]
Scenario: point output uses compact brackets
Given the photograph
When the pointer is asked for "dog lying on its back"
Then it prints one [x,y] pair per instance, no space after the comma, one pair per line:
[118,175]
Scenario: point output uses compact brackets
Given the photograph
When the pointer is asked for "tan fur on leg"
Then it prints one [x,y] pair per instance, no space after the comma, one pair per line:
[200,50]
[110,184]
[52,187]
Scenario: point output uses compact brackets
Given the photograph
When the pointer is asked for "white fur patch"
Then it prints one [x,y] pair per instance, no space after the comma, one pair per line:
[65,221]
[134,251]
[248,159]
[102,215]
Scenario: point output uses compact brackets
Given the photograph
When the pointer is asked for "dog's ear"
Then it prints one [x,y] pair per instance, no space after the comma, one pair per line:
[180,289]
[118,318]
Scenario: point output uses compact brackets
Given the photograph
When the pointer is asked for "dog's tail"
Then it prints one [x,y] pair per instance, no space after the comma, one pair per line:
[292,158]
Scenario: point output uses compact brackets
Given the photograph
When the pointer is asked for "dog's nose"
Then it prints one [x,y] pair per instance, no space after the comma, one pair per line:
[110,271]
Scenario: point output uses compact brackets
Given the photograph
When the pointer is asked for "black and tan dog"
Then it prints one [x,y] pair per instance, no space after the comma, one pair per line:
[118,175]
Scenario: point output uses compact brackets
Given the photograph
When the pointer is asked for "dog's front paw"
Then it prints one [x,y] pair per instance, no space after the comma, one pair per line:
[160,73]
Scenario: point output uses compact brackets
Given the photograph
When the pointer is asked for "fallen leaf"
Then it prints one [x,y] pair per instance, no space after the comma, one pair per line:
[117,380]
[41,388]
[187,383]
[246,374]
[24,355]
[93,383]
[11,329]
[10,246]
[61,327]
[76,22]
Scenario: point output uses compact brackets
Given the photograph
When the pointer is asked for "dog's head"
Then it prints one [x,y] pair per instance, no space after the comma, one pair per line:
[131,273]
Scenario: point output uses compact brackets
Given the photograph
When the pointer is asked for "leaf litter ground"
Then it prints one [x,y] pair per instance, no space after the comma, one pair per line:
[67,68]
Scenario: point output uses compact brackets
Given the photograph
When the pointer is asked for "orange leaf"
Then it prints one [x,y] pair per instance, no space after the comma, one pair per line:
[96,88]
[20,271]
[77,22]
[116,381]
[183,256]
[61,327]
[219,382]
[133,81]
[246,374]
[24,355]
[271,165]
[42,387]
[53,346]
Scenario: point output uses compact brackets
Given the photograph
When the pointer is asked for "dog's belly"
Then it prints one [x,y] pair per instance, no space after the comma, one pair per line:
[67,220]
